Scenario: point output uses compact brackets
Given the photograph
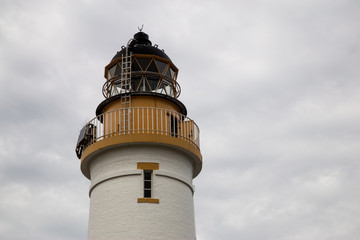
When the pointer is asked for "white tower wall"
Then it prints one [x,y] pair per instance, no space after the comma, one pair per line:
[116,185]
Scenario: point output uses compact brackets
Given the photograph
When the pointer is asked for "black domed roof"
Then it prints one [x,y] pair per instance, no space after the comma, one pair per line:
[141,44]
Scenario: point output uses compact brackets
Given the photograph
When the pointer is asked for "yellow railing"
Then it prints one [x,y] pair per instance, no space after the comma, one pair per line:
[142,121]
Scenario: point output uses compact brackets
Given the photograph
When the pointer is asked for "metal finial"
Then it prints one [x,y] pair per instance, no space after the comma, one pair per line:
[140,29]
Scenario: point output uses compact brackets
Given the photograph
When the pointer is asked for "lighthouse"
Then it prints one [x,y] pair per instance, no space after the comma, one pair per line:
[141,151]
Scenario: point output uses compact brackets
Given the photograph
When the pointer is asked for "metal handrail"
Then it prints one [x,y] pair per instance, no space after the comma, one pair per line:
[110,89]
[143,120]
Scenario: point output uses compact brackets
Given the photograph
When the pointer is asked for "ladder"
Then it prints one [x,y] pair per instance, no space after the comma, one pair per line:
[125,89]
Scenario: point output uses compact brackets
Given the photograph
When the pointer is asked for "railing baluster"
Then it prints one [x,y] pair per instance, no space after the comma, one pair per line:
[106,126]
[152,120]
[147,120]
[142,120]
[98,126]
[133,120]
[181,123]
[98,133]
[166,122]
[187,129]
[178,124]
[161,122]
[157,120]
[138,123]
[97,130]
[122,121]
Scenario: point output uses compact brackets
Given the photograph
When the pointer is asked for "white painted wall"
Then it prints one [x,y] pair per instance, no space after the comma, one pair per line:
[116,184]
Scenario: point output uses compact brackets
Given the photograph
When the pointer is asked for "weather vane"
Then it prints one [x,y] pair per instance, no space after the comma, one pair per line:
[140,29]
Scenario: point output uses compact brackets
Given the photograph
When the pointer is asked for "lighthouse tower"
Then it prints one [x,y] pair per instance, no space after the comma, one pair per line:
[141,151]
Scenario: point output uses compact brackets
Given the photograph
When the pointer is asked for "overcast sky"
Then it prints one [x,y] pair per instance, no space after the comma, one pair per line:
[273,85]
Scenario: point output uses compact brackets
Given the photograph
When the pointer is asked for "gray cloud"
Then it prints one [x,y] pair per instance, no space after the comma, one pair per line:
[273,87]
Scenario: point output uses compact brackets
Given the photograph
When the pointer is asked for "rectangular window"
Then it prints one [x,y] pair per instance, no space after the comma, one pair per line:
[148,168]
[147,183]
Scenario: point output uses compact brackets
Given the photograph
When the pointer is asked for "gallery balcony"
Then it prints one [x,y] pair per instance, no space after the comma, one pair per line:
[135,125]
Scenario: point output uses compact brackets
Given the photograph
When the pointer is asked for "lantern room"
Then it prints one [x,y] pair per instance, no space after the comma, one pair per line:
[151,70]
